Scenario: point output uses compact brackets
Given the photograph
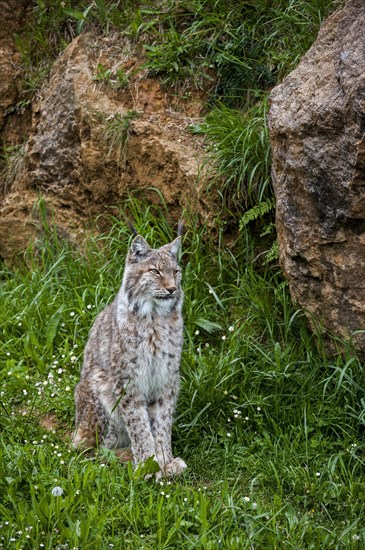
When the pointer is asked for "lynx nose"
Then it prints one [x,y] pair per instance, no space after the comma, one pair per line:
[171,289]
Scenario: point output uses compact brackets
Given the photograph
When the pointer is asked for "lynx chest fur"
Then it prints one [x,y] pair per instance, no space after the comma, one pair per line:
[154,349]
[130,377]
[156,355]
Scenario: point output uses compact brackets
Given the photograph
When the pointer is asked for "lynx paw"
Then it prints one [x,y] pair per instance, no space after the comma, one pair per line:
[174,468]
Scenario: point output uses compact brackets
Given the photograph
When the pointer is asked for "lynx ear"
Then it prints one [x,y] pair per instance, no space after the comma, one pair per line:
[174,247]
[139,248]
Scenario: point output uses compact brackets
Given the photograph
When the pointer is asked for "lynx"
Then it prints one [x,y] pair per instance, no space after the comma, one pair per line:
[130,376]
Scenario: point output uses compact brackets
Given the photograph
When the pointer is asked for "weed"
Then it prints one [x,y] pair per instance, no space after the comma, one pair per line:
[177,60]
[117,79]
[12,161]
[116,133]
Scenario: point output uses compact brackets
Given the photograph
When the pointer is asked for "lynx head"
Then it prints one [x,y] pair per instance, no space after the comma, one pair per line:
[152,278]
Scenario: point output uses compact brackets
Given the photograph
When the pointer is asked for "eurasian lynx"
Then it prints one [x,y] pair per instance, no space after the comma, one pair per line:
[130,377]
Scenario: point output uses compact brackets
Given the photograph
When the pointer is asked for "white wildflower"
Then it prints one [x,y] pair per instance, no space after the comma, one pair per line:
[57,491]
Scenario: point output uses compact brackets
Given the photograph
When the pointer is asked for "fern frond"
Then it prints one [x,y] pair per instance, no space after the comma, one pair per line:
[257,212]
[272,254]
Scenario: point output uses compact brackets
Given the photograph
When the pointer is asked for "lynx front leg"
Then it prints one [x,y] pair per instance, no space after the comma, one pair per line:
[161,412]
[137,423]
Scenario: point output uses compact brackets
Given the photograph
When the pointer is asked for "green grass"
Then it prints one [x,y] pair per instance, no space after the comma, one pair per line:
[271,428]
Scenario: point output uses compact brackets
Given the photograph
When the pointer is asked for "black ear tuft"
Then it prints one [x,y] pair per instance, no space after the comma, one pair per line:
[132,228]
[180,228]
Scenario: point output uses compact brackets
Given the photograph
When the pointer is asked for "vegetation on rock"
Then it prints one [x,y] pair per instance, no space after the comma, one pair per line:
[236,50]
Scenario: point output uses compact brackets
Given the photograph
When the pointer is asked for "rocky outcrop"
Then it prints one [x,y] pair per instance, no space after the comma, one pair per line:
[102,129]
[12,20]
[317,124]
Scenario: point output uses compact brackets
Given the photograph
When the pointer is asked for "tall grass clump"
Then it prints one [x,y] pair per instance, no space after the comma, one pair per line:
[12,163]
[116,133]
[270,426]
[250,45]
[240,153]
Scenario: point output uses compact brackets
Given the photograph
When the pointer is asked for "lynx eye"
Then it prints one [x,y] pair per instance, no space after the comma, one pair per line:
[155,271]
[177,271]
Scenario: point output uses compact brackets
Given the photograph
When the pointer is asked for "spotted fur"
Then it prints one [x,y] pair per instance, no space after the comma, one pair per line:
[130,377]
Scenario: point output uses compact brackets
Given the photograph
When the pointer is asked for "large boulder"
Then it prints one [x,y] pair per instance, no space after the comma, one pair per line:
[317,124]
[103,129]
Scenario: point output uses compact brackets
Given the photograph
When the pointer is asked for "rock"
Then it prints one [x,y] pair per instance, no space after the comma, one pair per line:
[317,123]
[12,20]
[102,130]
[14,115]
